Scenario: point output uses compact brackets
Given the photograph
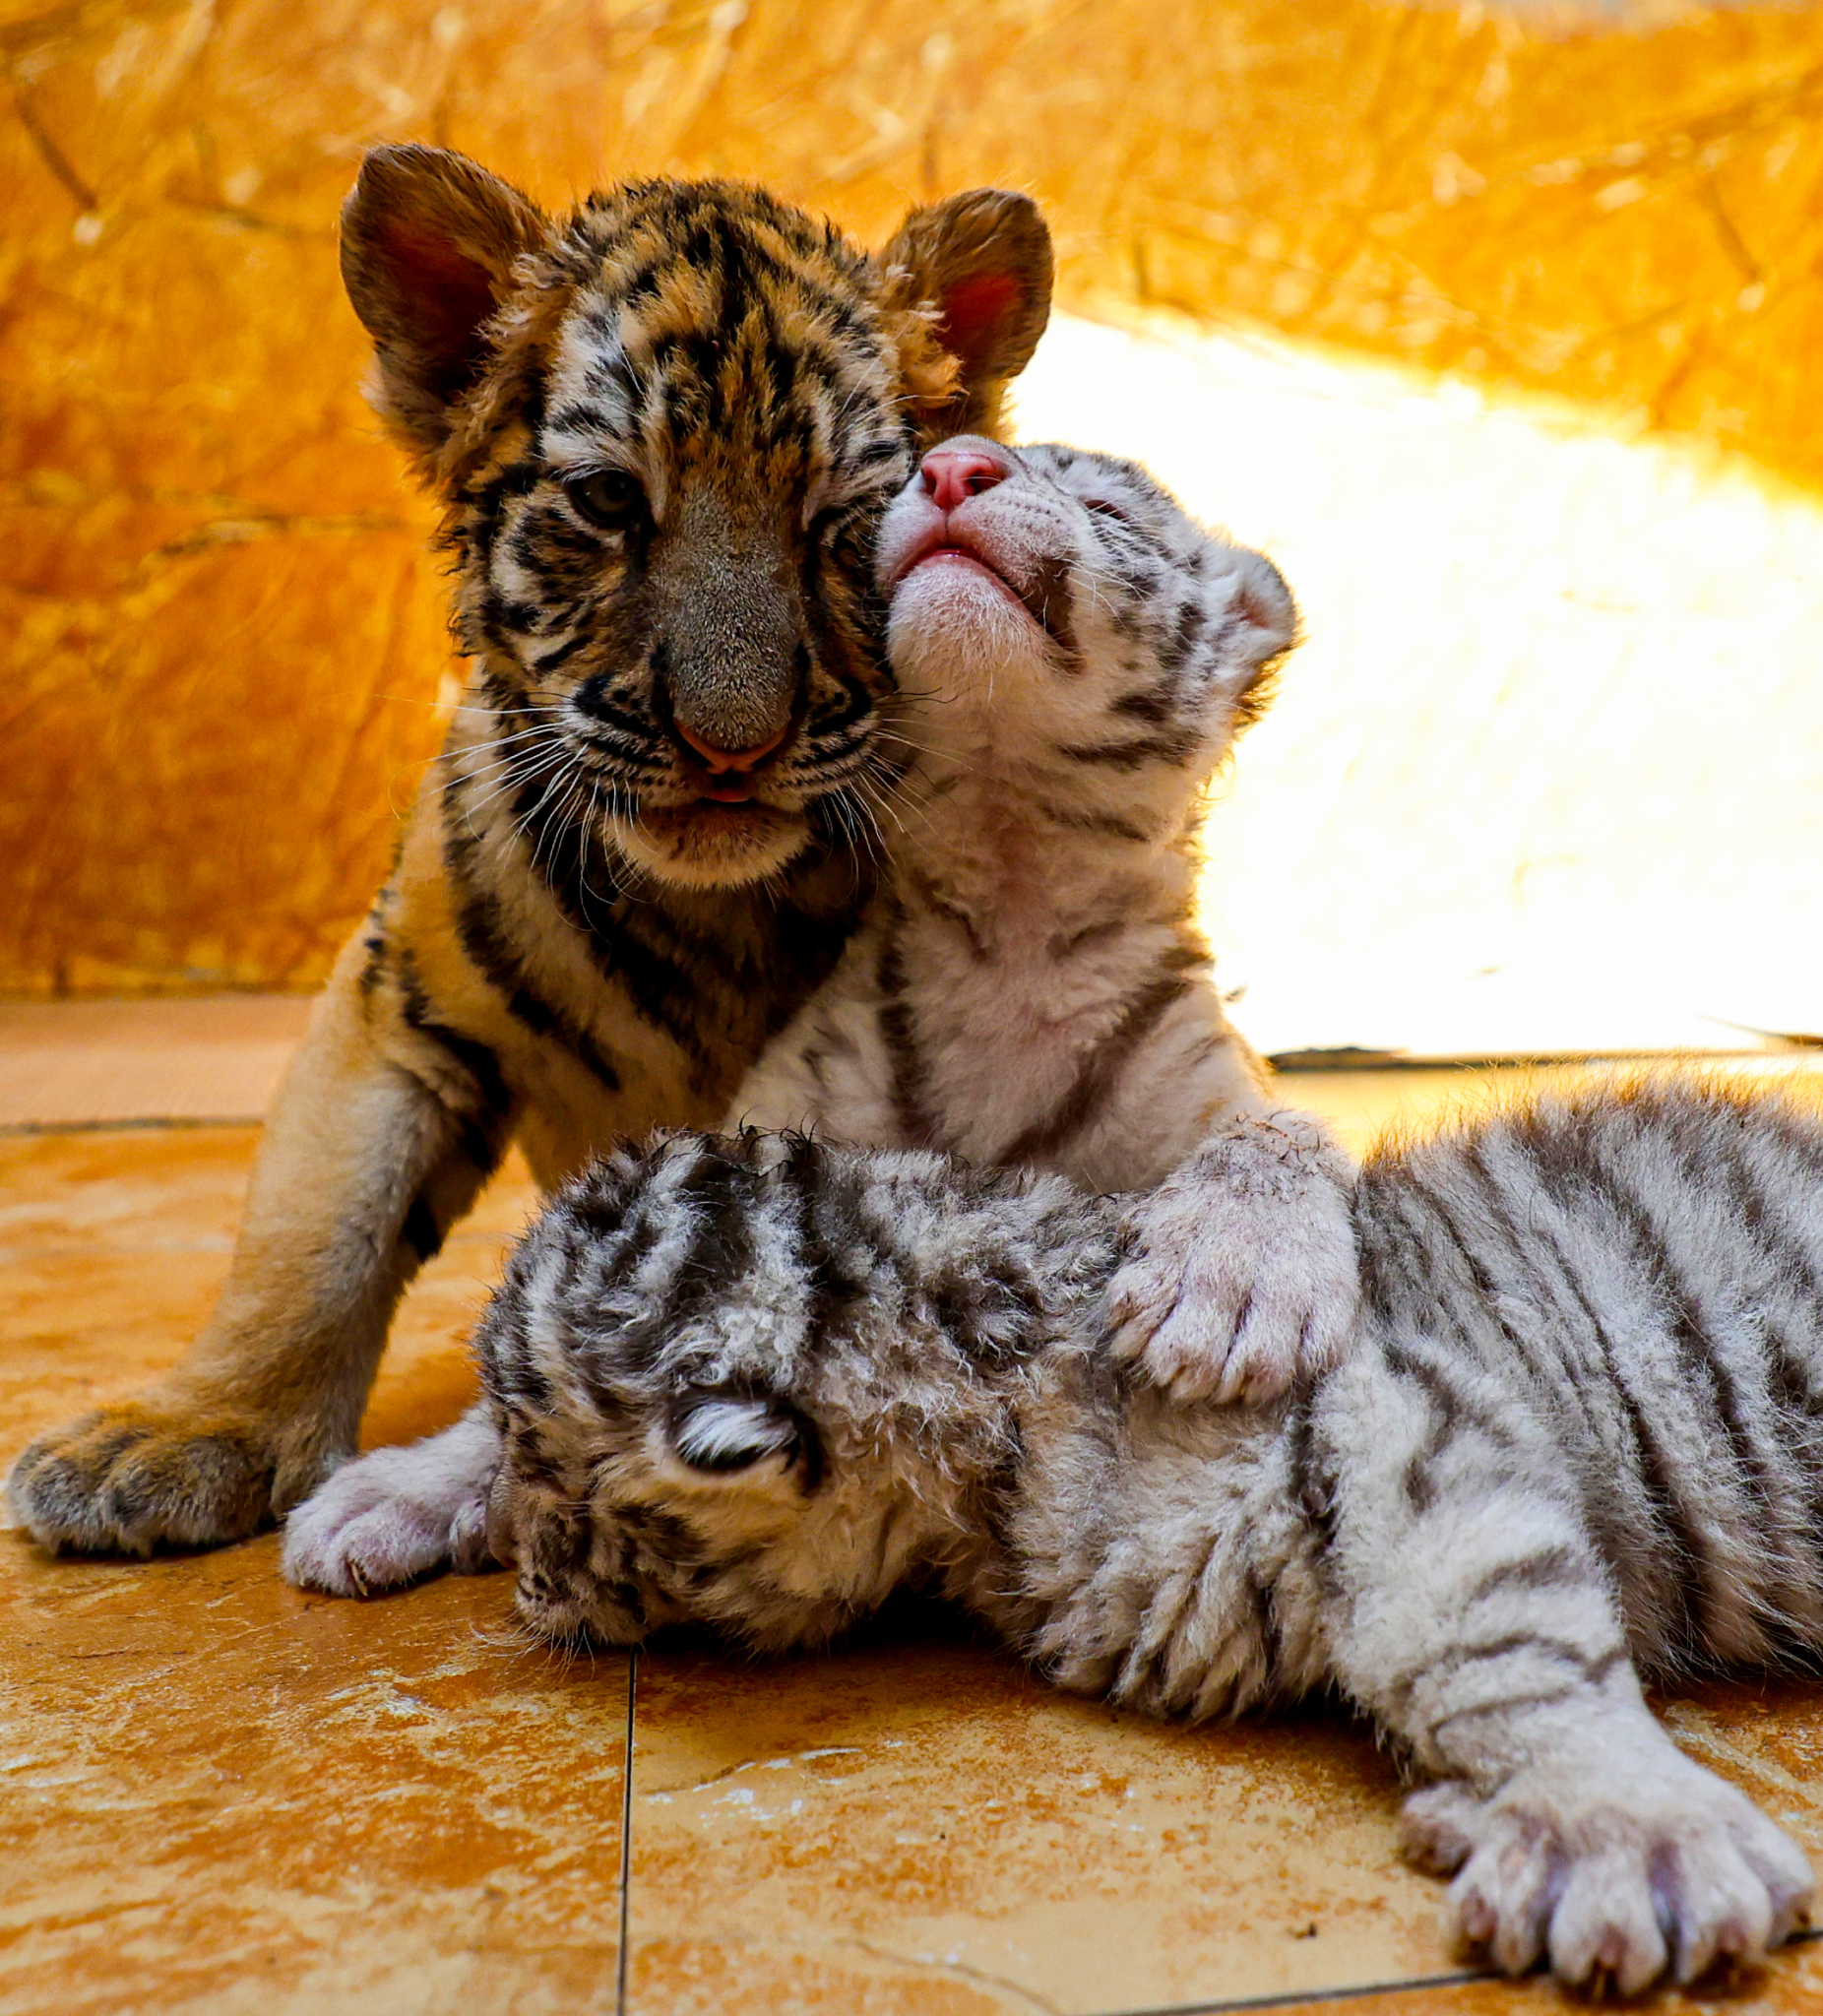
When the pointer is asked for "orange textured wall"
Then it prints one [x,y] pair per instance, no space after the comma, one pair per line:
[224,637]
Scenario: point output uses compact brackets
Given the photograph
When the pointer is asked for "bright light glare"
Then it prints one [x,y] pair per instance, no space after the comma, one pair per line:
[1546,774]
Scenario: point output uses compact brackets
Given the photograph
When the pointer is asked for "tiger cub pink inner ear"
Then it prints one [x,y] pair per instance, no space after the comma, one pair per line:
[972,274]
[428,243]
[972,314]
[445,297]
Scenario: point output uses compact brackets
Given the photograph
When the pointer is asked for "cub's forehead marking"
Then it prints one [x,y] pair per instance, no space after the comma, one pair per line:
[595,387]
[628,384]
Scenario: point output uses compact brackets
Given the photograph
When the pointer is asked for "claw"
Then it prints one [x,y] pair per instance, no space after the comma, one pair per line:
[397,1515]
[1245,1271]
[1627,1869]
[1477,1920]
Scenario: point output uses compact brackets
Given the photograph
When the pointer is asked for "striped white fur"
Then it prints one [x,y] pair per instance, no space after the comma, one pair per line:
[1577,1442]
[1075,655]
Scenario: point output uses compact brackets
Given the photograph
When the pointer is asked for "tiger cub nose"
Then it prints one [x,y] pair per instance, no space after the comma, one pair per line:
[717,759]
[952,476]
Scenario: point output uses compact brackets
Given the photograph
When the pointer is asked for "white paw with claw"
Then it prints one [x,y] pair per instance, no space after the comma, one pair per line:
[1616,1871]
[1244,1271]
[393,1516]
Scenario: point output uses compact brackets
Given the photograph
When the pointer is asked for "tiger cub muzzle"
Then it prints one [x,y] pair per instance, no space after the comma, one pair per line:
[1045,562]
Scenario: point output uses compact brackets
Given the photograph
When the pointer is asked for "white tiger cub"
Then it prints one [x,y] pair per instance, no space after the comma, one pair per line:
[1030,989]
[758,1382]
[1075,657]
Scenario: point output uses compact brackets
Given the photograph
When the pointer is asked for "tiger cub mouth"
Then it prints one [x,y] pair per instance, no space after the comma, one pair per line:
[961,559]
[713,842]
[746,815]
[973,522]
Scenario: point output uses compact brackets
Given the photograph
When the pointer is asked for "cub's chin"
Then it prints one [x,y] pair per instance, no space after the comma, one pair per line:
[709,846]
[953,623]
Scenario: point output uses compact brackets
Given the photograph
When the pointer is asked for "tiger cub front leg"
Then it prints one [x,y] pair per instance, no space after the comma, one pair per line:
[394,1515]
[386,1127]
[1242,1270]
[1472,1615]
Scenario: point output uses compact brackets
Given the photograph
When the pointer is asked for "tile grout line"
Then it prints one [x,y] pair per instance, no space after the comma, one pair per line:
[144,1123]
[626,1836]
[1312,1998]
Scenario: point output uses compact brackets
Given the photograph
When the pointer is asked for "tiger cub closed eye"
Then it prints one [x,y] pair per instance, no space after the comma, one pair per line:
[758,1383]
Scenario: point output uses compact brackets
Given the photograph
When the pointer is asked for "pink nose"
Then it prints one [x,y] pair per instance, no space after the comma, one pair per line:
[717,759]
[952,476]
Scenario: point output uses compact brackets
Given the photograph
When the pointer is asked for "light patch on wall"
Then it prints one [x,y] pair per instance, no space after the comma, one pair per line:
[1547,773]
[1579,17]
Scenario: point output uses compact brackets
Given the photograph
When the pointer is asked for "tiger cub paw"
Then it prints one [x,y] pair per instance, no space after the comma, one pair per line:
[1615,1870]
[140,1474]
[398,1515]
[1241,1272]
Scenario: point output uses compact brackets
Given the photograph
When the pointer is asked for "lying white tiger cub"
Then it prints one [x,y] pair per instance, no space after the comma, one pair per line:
[1076,656]
[758,1383]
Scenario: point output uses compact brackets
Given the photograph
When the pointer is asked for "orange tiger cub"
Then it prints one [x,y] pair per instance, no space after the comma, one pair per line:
[662,428]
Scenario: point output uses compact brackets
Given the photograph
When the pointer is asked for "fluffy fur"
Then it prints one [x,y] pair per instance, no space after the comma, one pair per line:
[661,428]
[1075,655]
[758,1382]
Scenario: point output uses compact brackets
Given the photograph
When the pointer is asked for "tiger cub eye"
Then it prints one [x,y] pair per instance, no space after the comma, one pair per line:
[608,497]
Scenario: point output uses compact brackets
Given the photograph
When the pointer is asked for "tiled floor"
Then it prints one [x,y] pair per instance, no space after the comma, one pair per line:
[219,1795]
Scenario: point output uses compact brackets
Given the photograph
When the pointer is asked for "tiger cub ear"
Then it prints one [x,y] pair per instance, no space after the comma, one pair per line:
[428,241]
[1257,624]
[971,281]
